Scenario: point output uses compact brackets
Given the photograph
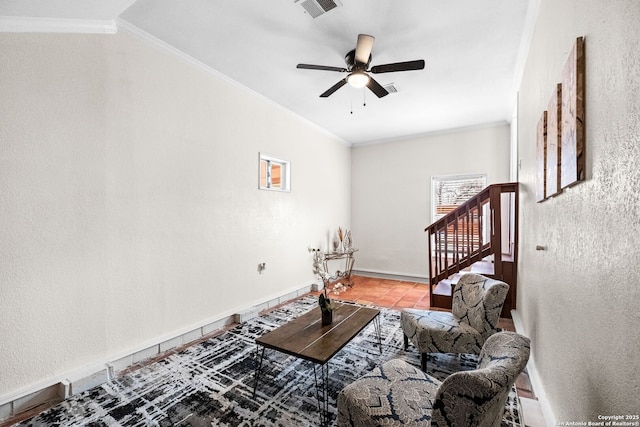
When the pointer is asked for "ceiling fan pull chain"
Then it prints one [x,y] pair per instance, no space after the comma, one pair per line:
[364,97]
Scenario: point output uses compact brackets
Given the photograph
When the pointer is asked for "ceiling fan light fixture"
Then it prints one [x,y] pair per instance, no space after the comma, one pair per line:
[358,79]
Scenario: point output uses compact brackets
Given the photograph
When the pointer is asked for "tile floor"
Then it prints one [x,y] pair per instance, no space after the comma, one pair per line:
[387,293]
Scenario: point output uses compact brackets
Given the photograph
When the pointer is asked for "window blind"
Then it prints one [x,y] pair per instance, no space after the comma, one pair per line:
[450,192]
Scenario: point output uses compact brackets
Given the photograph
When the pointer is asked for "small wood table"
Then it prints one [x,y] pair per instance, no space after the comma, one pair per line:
[306,338]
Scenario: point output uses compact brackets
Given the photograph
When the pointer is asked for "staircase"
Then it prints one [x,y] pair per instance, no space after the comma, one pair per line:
[480,236]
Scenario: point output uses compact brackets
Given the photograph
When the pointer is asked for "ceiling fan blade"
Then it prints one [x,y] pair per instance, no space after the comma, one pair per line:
[398,66]
[321,67]
[334,88]
[363,48]
[376,88]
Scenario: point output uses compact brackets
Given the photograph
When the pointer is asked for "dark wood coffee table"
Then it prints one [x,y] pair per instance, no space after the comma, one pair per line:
[306,338]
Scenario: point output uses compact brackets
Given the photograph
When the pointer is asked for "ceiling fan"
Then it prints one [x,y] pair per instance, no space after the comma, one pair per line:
[358,61]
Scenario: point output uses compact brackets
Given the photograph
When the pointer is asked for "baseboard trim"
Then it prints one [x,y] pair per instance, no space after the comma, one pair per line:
[379,274]
[534,376]
[57,389]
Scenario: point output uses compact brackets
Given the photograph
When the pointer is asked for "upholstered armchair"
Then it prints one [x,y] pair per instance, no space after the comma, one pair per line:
[397,393]
[476,306]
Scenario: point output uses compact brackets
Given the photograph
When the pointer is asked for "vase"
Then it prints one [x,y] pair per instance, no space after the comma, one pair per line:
[336,244]
[327,317]
[348,242]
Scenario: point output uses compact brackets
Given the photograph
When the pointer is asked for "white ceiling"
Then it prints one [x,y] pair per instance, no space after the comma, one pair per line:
[474,51]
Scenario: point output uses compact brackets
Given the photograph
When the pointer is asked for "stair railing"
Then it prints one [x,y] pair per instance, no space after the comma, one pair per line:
[470,233]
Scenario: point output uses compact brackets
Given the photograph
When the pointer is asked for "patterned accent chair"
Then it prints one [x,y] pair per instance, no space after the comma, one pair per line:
[476,306]
[399,394]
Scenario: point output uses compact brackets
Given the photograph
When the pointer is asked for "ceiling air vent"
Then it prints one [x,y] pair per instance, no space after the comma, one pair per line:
[316,8]
[391,88]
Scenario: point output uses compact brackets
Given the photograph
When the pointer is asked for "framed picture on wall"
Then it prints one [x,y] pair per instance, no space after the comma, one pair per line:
[573,144]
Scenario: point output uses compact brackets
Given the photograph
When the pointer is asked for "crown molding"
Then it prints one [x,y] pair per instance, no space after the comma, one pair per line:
[128,28]
[18,24]
[434,133]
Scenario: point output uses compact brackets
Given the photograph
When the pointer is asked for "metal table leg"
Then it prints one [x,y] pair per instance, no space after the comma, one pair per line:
[322,392]
[376,324]
[256,374]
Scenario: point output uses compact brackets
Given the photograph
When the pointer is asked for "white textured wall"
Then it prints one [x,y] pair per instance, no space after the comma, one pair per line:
[129,208]
[391,191]
[578,299]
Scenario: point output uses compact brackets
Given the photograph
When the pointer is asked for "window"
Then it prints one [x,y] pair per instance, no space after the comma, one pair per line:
[448,192]
[274,174]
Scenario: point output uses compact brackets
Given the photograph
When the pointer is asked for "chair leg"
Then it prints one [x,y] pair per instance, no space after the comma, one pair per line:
[406,342]
[423,362]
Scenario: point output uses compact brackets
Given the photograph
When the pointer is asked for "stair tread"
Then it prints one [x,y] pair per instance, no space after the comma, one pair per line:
[456,277]
[443,288]
[483,267]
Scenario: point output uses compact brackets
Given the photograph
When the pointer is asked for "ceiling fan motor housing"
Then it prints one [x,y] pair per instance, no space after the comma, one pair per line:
[352,65]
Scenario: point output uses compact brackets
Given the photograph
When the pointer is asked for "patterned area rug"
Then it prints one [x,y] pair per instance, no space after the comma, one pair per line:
[211,383]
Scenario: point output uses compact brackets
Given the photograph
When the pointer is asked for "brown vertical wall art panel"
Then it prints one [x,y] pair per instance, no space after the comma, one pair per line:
[573,144]
[554,155]
[541,157]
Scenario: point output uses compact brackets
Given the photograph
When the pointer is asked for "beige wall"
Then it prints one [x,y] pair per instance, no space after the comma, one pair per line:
[578,299]
[391,191]
[129,208]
